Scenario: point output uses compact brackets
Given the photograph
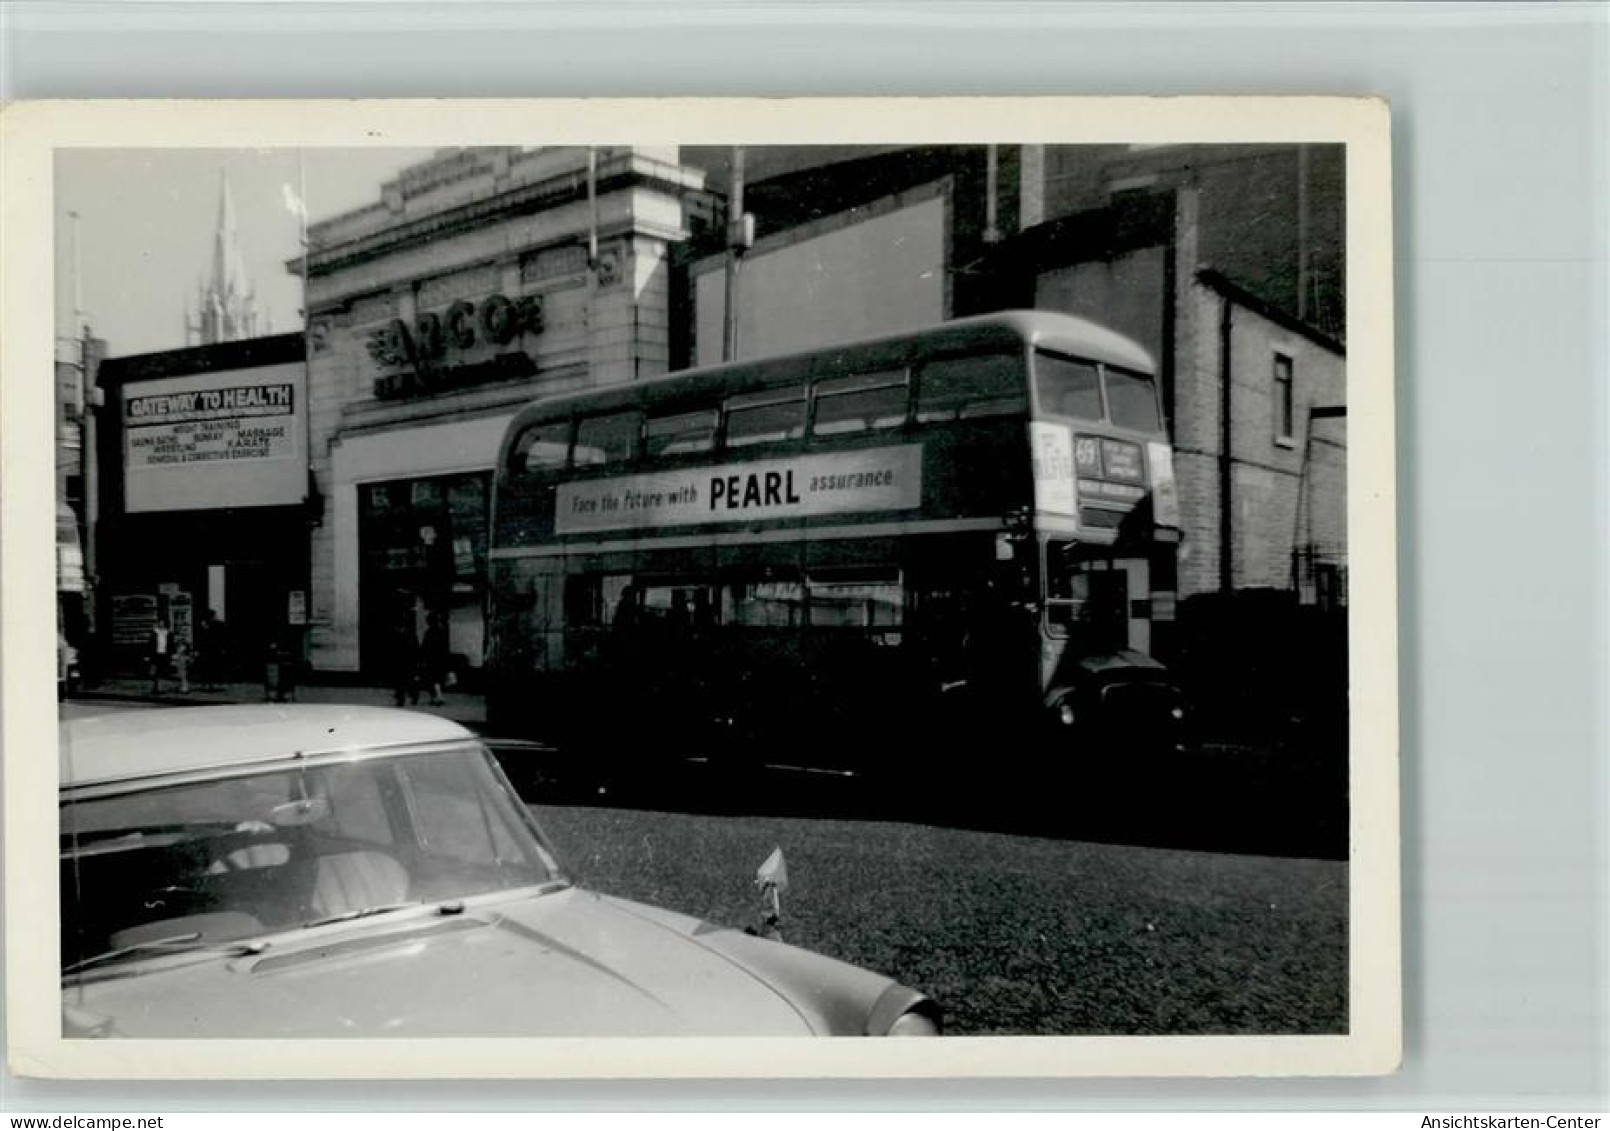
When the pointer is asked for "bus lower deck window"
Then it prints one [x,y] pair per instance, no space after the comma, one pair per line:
[856,599]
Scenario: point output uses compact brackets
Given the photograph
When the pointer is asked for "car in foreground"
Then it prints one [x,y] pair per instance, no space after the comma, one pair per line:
[323,871]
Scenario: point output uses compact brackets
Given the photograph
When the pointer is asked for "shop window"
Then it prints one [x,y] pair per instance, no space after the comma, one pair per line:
[543,447]
[682,433]
[1285,405]
[967,387]
[1132,400]
[607,439]
[860,403]
[1067,387]
[766,417]
[423,548]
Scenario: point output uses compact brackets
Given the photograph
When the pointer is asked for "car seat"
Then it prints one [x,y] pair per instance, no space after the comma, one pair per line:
[352,881]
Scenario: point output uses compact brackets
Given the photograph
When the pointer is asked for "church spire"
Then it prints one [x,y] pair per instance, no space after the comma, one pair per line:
[228,297]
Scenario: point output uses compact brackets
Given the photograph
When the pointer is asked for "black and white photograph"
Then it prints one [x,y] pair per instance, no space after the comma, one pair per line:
[767,582]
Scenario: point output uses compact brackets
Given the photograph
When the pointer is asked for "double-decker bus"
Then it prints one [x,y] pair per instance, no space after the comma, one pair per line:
[849,559]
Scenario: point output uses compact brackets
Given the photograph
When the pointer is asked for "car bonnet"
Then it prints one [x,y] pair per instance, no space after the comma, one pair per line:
[567,963]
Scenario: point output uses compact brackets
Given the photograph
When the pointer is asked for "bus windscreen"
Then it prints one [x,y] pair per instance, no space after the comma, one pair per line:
[1132,400]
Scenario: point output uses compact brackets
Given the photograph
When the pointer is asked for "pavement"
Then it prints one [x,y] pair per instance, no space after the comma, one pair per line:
[469,710]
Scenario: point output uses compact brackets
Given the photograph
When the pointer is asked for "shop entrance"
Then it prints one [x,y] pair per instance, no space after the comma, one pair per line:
[422,546]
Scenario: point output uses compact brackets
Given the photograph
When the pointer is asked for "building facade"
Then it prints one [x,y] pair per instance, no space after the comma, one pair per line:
[204,498]
[478,280]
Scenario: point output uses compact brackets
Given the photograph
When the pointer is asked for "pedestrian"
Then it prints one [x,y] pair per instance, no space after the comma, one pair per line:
[181,663]
[159,653]
[404,658]
[210,661]
[433,657]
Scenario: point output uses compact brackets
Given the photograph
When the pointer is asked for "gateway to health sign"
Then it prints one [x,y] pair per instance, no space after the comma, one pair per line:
[874,479]
[228,439]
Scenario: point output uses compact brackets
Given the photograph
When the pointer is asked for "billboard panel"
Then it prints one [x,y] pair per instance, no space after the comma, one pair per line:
[226,439]
[875,276]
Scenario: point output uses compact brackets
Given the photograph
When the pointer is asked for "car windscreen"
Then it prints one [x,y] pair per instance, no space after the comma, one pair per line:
[241,856]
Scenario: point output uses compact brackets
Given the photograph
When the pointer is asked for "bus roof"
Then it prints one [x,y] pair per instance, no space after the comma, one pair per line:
[1063,333]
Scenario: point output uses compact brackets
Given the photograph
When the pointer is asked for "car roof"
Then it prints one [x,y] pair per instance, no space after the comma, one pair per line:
[132,745]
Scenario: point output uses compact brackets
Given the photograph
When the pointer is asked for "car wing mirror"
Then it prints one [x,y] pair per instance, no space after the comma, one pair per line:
[772,880]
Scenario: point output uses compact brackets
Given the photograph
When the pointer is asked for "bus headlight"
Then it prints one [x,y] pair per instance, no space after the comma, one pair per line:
[1065,715]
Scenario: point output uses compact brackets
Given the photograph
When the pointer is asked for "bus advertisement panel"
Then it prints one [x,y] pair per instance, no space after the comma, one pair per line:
[877,479]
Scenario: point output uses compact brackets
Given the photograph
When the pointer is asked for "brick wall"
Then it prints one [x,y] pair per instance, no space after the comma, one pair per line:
[1287,492]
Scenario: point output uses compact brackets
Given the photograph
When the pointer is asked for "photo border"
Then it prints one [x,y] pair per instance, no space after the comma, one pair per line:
[31,132]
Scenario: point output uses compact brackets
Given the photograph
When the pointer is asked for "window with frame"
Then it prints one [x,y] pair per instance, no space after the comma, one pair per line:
[1132,400]
[1285,403]
[1067,386]
[768,601]
[677,603]
[680,433]
[871,597]
[766,417]
[598,600]
[543,447]
[990,384]
[1085,597]
[611,438]
[860,403]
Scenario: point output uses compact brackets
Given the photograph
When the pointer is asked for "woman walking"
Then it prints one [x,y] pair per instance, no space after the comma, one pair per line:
[434,657]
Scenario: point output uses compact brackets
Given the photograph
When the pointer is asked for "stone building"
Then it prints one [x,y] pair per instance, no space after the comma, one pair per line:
[476,281]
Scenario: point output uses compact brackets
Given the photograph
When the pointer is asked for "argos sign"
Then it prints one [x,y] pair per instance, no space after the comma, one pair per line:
[459,346]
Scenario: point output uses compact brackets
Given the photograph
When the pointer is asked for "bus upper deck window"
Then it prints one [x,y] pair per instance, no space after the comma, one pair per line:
[543,447]
[1066,387]
[607,439]
[861,402]
[1132,400]
[684,432]
[992,384]
[766,417]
